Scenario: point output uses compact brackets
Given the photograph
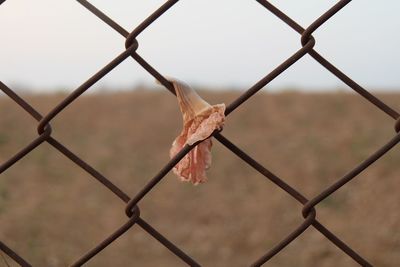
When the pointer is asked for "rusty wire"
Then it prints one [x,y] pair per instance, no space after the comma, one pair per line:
[132,209]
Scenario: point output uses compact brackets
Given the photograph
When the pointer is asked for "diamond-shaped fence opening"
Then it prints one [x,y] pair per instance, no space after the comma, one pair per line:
[132,210]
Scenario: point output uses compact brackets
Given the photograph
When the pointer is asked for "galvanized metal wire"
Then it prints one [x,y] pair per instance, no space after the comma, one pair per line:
[132,203]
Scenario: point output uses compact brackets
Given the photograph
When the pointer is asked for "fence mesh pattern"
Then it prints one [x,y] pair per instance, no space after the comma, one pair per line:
[132,203]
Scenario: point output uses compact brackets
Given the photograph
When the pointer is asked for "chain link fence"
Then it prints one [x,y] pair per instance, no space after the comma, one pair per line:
[132,203]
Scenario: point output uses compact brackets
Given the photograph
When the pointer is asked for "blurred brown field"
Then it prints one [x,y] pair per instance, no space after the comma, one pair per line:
[52,212]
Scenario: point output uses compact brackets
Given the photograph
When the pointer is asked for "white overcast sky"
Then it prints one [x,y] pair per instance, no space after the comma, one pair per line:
[50,44]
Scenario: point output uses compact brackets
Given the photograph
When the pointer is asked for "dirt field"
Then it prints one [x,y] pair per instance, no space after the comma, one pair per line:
[52,212]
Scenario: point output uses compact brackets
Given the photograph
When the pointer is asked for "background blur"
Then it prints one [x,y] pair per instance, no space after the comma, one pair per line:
[306,127]
[225,43]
